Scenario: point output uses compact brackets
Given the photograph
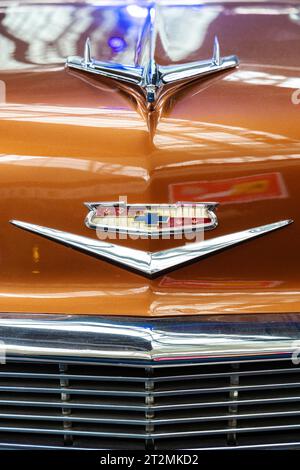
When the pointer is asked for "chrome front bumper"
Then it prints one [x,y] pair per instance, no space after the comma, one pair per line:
[143,340]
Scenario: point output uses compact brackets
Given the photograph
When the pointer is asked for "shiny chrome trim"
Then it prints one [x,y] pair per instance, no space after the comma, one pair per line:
[210,207]
[148,77]
[148,436]
[46,416]
[114,392]
[15,446]
[116,406]
[279,445]
[141,379]
[85,405]
[139,341]
[146,263]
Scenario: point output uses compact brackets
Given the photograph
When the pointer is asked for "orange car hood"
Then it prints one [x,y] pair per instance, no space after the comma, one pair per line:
[68,138]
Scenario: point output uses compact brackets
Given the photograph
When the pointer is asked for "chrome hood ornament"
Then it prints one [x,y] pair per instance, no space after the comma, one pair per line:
[149,264]
[146,76]
[151,219]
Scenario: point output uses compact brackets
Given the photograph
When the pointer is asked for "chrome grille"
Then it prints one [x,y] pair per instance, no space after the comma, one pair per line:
[106,406]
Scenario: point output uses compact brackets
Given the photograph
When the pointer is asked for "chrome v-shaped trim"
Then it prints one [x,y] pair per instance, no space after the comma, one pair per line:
[146,263]
[148,76]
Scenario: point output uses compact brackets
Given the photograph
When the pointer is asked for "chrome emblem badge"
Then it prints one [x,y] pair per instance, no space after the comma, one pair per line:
[151,220]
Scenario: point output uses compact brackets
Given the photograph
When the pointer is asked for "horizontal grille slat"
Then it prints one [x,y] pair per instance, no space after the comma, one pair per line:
[75,391]
[75,419]
[9,446]
[74,432]
[222,374]
[281,445]
[137,393]
[100,378]
[81,405]
[145,436]
[174,406]
[144,422]
[128,378]
[97,406]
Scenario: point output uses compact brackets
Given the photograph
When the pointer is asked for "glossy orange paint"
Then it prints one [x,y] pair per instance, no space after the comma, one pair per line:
[66,139]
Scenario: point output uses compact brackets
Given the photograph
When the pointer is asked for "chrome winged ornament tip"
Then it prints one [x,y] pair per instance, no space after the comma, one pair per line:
[216,58]
[87,53]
